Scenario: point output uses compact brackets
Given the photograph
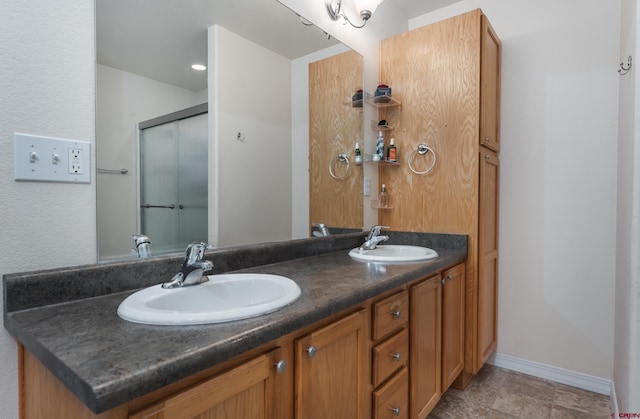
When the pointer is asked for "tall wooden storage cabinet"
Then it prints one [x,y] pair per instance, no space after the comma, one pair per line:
[447,76]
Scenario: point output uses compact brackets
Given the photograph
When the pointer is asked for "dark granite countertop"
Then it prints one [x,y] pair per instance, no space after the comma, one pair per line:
[106,361]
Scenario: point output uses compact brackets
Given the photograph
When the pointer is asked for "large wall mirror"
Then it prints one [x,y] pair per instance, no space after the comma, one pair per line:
[256,147]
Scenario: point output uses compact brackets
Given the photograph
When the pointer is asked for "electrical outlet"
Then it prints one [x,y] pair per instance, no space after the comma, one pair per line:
[37,158]
[75,161]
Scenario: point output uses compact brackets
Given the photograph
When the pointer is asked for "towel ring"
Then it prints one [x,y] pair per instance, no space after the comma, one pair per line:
[422,149]
[342,157]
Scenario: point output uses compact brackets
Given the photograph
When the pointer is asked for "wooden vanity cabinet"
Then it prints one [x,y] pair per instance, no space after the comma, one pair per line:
[246,391]
[452,324]
[425,350]
[448,76]
[487,294]
[390,356]
[332,366]
[489,87]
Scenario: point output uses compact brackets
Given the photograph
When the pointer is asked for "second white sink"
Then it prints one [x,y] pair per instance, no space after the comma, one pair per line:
[223,298]
[394,253]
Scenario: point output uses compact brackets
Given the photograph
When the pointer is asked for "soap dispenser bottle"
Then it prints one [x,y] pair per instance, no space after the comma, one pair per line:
[383,198]
[380,145]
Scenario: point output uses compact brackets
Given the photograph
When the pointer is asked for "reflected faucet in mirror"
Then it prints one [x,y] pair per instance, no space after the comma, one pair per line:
[142,246]
[322,231]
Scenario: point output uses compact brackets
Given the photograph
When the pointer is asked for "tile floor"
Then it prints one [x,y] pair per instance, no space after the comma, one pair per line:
[496,393]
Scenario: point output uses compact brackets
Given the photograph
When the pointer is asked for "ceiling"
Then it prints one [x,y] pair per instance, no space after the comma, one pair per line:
[160,39]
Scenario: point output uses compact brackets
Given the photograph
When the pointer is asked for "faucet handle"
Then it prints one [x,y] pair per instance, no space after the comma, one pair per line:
[375,230]
[194,253]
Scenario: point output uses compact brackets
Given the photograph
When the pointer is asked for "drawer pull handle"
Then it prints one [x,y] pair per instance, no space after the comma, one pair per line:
[396,356]
[396,314]
[311,351]
[396,411]
[281,366]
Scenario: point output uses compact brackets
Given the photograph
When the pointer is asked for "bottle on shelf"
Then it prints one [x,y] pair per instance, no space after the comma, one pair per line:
[392,151]
[383,198]
[380,145]
[358,157]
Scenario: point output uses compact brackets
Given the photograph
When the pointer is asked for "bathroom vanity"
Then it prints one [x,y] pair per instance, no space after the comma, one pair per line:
[363,340]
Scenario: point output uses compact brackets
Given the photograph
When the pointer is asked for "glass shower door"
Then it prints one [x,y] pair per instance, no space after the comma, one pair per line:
[173,183]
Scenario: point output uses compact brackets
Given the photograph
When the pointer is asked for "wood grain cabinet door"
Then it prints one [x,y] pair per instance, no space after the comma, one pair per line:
[453,310]
[332,371]
[425,351]
[490,87]
[245,391]
[488,256]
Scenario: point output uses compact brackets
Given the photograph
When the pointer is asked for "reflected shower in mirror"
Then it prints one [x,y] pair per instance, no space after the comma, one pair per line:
[254,49]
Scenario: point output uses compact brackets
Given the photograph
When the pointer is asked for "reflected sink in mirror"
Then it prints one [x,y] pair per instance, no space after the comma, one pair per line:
[393,253]
[225,297]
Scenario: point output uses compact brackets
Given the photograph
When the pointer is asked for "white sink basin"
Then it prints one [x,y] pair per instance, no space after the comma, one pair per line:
[223,298]
[394,253]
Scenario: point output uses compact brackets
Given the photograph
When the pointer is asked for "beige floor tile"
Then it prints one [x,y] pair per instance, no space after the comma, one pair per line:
[583,401]
[496,393]
[560,412]
[494,414]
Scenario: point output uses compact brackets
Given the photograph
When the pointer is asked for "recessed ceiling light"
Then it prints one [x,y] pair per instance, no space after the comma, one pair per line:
[199,67]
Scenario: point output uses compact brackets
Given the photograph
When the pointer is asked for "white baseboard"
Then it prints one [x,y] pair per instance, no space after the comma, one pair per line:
[559,375]
[614,401]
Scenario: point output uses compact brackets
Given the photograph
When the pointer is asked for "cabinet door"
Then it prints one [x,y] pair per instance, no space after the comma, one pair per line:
[246,391]
[490,88]
[425,330]
[332,371]
[488,255]
[452,324]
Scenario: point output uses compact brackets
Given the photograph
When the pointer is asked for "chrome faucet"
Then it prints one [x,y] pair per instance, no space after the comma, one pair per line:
[193,268]
[374,238]
[323,231]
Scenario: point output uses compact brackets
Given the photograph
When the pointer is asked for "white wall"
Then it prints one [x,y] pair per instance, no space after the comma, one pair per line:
[249,93]
[47,79]
[626,370]
[123,100]
[558,178]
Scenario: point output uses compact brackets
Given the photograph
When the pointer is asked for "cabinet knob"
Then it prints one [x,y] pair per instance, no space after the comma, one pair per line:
[396,314]
[396,356]
[449,277]
[487,157]
[281,366]
[487,139]
[395,410]
[311,351]
[442,281]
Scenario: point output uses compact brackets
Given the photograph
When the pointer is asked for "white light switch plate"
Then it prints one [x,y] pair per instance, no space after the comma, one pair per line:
[47,159]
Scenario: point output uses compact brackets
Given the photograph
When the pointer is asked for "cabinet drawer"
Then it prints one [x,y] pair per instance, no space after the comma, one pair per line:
[390,314]
[391,401]
[389,356]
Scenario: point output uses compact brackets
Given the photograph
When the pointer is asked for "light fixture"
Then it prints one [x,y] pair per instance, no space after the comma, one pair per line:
[365,8]
[199,67]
